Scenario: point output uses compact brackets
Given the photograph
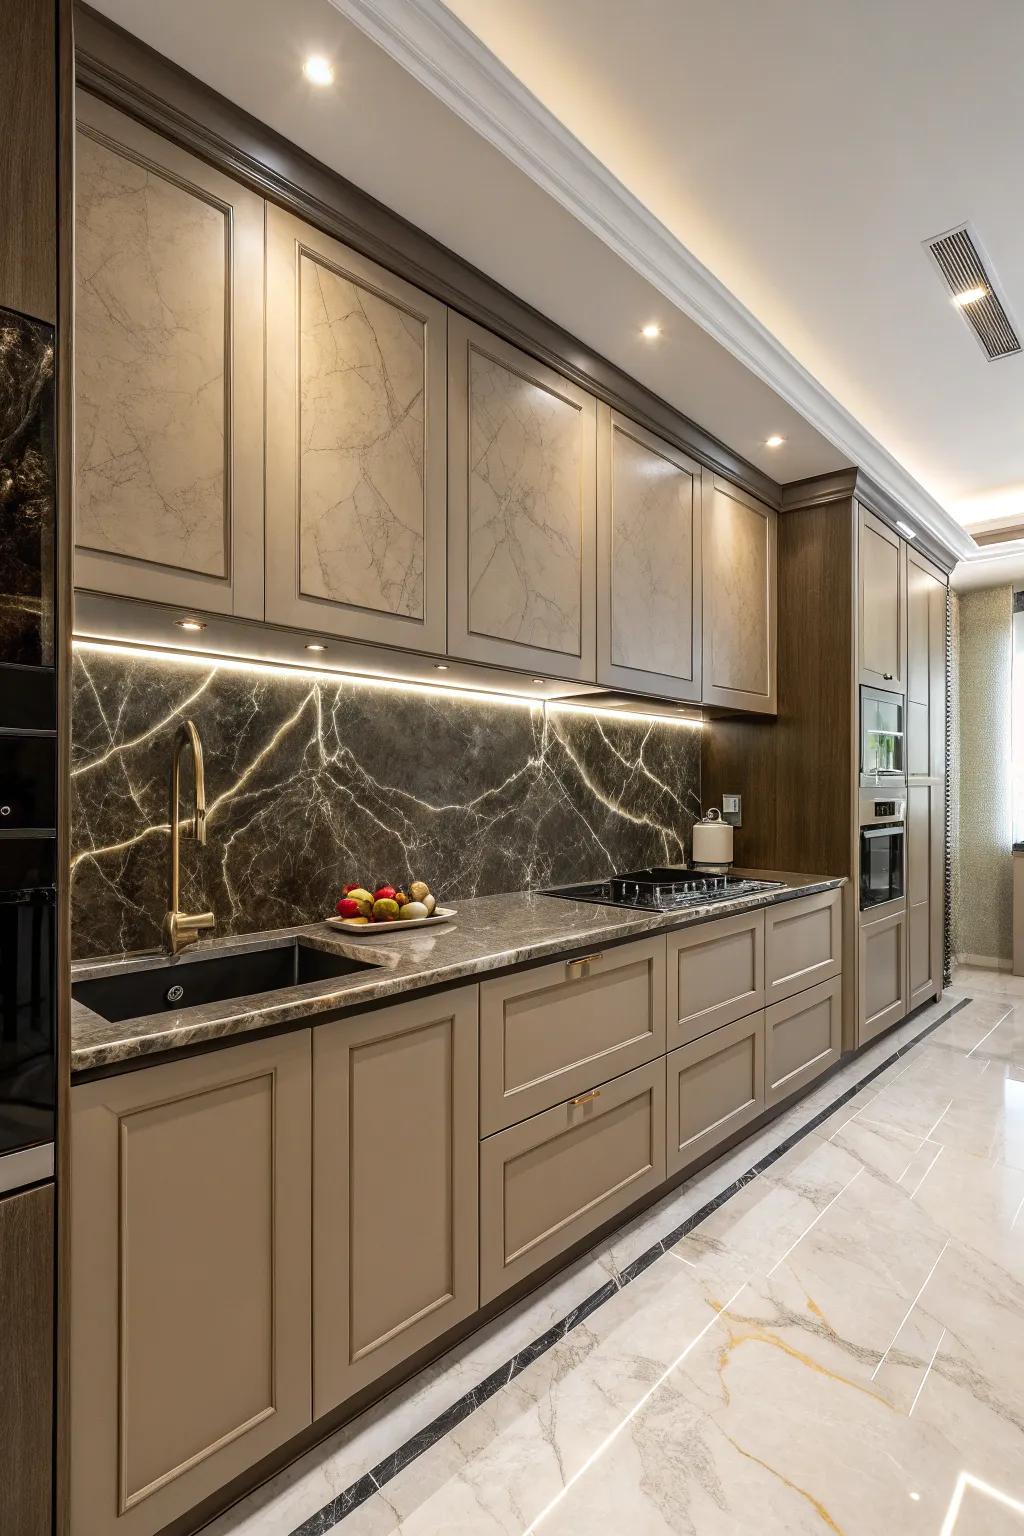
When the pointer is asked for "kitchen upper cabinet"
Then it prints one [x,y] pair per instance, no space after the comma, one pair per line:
[395,1161]
[168,372]
[739,621]
[648,562]
[882,609]
[926,668]
[521,510]
[355,444]
[190,1279]
[28,157]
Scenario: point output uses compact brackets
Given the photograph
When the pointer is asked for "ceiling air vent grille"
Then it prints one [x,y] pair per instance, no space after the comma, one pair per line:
[959,259]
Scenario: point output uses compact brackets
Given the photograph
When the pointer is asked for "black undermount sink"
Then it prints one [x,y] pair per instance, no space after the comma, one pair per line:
[213,979]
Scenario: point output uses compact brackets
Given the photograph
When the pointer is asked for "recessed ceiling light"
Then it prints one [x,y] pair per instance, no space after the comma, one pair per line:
[440,666]
[969,296]
[318,70]
[314,645]
[190,624]
[775,441]
[906,530]
[540,681]
[651,331]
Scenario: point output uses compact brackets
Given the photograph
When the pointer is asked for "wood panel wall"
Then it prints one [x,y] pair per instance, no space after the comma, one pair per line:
[28,158]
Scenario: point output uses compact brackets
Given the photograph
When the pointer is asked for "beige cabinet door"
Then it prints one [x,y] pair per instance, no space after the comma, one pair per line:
[883,974]
[168,372]
[190,1275]
[394,1186]
[926,832]
[648,562]
[926,668]
[802,1039]
[554,1030]
[548,1181]
[522,451]
[882,607]
[803,943]
[715,1086]
[740,588]
[715,974]
[355,444]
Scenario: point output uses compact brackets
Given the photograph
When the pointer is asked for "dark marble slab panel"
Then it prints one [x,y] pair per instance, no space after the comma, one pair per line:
[314,782]
[27,494]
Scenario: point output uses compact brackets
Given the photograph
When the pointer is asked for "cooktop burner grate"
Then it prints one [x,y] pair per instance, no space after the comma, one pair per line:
[664,890]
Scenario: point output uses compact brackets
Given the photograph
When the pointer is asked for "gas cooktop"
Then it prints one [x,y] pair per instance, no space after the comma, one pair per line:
[664,890]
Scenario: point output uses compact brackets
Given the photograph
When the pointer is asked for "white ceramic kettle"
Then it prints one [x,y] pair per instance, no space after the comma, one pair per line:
[712,844]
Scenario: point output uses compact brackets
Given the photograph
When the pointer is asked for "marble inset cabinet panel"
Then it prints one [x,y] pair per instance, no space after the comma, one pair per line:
[740,576]
[168,372]
[648,562]
[355,444]
[521,546]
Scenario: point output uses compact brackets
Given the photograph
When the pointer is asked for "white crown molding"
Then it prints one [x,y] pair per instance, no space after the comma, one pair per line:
[439,51]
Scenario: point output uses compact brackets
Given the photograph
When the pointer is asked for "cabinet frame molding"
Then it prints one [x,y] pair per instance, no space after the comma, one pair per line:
[239,592]
[618,674]
[289,240]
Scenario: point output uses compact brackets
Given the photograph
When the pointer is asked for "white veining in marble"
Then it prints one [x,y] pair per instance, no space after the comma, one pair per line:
[361,471]
[651,561]
[150,337]
[524,510]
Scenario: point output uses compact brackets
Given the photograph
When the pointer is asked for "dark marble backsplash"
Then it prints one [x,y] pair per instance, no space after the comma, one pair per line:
[312,782]
[26,491]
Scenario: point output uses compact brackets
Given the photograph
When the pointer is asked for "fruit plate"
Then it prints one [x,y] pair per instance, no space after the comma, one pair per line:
[368,930]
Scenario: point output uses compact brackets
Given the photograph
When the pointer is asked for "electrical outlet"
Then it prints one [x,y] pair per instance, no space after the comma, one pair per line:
[732,810]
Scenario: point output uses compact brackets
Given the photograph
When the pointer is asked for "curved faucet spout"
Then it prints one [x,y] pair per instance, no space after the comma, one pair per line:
[180,928]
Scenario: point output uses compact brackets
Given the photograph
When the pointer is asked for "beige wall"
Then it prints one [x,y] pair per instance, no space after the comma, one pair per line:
[982,861]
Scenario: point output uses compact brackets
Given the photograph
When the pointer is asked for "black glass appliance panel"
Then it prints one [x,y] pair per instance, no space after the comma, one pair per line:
[28,782]
[881,864]
[28,699]
[27,484]
[27,1017]
[664,889]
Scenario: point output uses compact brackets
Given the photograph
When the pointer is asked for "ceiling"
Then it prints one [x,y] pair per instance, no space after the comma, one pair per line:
[758,179]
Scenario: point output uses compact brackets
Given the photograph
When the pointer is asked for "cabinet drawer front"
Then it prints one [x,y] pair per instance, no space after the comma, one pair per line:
[190,1298]
[803,944]
[715,1086]
[395,1156]
[883,986]
[802,1038]
[549,1181]
[715,975]
[555,1030]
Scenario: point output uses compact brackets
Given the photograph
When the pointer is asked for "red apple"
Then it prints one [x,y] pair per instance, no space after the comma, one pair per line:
[386,893]
[353,885]
[347,907]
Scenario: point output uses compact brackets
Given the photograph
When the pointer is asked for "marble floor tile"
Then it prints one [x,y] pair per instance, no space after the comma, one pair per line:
[835,1347]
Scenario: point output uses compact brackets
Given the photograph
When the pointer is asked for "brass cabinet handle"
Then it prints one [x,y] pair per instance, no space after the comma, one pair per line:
[577,969]
[586,1098]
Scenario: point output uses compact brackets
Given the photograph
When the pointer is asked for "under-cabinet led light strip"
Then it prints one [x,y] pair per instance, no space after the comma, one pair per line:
[395,684]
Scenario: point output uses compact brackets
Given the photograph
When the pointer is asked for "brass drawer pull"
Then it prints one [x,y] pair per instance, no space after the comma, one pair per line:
[577,969]
[586,1098]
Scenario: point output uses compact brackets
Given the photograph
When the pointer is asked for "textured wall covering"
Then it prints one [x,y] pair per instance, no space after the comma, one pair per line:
[312,782]
[983,867]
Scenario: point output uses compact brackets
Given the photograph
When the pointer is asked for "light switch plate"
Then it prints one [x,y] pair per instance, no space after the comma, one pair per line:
[732,810]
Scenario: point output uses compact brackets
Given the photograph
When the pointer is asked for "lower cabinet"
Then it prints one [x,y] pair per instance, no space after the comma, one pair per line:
[550,1180]
[394,1186]
[26,1362]
[802,1039]
[883,975]
[925,849]
[190,1274]
[715,974]
[715,1086]
[803,943]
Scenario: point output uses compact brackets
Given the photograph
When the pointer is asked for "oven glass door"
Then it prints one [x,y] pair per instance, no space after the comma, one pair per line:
[27,1017]
[881,865]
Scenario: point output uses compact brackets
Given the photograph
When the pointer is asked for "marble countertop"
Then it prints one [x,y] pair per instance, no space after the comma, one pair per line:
[490,933]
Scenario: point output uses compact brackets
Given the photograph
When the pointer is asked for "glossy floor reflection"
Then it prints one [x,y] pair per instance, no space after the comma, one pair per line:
[837,1348]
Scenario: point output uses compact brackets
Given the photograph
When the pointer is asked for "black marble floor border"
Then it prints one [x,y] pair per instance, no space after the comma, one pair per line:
[373,1481]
